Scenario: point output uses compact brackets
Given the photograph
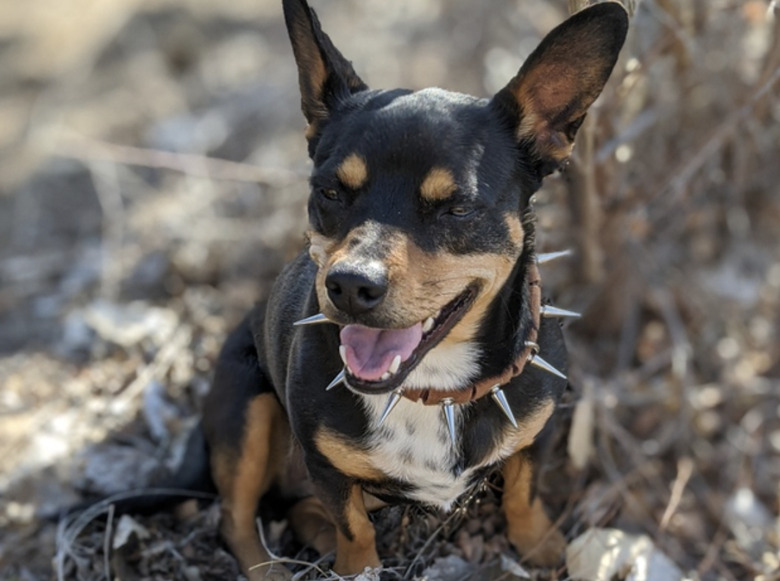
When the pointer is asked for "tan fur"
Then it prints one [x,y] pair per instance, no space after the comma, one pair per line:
[528,527]
[421,282]
[313,525]
[433,280]
[515,440]
[557,84]
[346,457]
[353,171]
[243,480]
[319,247]
[356,553]
[438,185]
[516,230]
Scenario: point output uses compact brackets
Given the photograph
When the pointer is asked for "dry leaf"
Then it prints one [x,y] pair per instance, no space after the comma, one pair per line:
[125,529]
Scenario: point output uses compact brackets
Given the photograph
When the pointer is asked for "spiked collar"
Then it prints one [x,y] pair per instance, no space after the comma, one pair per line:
[529,354]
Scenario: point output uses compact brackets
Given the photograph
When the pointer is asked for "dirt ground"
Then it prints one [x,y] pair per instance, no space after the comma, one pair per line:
[153,181]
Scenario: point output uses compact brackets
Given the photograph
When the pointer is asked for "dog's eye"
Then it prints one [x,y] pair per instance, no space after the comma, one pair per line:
[460,211]
[330,194]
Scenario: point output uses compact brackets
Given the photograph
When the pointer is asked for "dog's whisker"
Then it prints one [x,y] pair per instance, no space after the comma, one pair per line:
[550,256]
[313,320]
[500,398]
[551,311]
[337,380]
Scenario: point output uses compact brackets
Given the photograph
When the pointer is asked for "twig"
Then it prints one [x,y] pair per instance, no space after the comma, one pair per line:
[107,542]
[585,204]
[684,472]
[280,559]
[90,150]
[106,184]
[681,346]
[712,556]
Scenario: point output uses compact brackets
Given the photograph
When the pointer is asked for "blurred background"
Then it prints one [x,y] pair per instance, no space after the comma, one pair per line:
[153,181]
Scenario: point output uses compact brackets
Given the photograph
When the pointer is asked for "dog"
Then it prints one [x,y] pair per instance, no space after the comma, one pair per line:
[406,351]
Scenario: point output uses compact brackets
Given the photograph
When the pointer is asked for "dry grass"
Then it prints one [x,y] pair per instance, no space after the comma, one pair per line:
[152,182]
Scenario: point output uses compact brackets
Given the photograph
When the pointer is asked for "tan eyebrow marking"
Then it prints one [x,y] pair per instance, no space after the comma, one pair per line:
[353,171]
[439,184]
[516,230]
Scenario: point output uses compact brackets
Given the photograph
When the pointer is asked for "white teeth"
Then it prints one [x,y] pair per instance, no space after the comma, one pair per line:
[386,375]
[427,325]
[343,353]
[395,365]
[349,370]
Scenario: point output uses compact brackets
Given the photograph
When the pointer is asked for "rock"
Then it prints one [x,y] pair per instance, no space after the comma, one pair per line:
[750,522]
[611,555]
[128,325]
[448,568]
[513,567]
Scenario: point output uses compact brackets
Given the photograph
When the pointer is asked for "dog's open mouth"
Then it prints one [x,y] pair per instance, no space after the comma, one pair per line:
[378,360]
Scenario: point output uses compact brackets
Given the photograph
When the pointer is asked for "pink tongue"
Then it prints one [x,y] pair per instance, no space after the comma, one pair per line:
[369,352]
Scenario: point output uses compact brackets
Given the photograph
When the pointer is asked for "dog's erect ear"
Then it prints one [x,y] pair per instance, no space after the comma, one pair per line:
[324,74]
[549,97]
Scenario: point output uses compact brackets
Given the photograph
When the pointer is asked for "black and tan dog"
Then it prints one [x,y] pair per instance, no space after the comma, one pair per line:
[422,356]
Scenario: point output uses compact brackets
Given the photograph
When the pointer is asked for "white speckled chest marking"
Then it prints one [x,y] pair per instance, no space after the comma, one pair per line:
[413,445]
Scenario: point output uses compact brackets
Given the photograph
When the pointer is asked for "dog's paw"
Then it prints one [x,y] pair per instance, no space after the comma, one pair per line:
[545,550]
[542,545]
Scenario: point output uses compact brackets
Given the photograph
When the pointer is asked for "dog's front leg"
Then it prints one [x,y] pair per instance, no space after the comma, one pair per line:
[529,528]
[355,534]
[343,498]
[243,474]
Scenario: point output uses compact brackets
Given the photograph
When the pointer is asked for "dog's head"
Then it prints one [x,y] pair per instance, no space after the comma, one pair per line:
[417,198]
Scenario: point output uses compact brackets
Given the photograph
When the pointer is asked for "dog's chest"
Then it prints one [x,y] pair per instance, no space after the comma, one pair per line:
[413,445]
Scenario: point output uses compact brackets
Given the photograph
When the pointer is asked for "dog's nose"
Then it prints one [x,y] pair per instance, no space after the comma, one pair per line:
[356,290]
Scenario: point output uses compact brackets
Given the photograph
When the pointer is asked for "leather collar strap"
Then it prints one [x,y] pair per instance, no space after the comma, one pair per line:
[484,386]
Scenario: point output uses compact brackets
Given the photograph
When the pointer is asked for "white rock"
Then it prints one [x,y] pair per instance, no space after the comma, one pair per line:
[610,554]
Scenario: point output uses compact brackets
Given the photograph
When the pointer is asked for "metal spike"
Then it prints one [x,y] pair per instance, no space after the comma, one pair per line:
[549,256]
[392,401]
[313,320]
[336,380]
[537,361]
[500,398]
[449,412]
[551,311]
